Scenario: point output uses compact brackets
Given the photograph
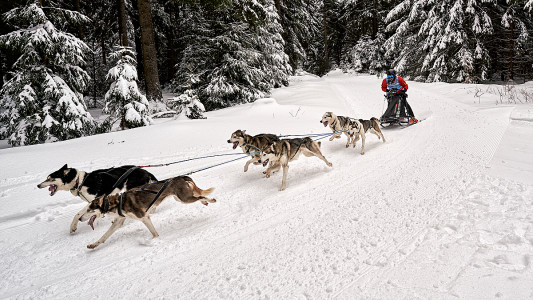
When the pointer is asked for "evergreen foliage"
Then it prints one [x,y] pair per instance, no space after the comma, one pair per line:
[42,100]
[235,54]
[123,99]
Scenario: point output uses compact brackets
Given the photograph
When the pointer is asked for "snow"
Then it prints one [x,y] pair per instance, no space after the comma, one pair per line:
[442,210]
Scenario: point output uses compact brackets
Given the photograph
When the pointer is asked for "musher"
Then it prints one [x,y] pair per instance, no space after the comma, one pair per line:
[398,110]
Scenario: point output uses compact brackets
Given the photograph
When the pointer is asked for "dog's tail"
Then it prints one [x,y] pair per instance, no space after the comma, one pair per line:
[198,192]
[375,121]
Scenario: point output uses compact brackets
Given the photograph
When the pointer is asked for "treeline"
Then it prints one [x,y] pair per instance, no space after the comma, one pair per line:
[218,53]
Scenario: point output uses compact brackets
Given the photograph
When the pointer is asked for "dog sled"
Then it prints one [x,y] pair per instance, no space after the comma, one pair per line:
[398,111]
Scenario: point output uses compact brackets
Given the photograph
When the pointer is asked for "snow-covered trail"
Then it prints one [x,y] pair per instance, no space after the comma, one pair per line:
[333,233]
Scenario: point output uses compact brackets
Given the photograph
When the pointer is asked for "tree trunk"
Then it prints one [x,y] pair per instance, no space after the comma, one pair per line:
[122,24]
[511,52]
[153,89]
[325,62]
[80,28]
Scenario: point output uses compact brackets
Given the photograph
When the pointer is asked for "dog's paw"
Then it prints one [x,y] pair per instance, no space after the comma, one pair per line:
[92,246]
[362,152]
[347,145]
[245,169]
[331,139]
[267,175]
[73,228]
[330,164]
[204,203]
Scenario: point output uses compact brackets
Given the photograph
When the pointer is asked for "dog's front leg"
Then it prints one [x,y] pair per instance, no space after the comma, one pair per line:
[284,181]
[272,168]
[148,222]
[116,225]
[362,143]
[349,140]
[248,163]
[74,224]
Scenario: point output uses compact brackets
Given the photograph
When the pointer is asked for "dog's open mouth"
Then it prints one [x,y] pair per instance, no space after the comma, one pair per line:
[235,144]
[91,221]
[265,162]
[325,123]
[53,189]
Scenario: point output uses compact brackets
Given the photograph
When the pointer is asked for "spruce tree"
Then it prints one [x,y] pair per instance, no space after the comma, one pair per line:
[441,40]
[123,99]
[42,101]
[235,53]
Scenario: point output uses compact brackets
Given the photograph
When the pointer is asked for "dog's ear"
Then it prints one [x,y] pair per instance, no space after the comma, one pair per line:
[244,131]
[64,167]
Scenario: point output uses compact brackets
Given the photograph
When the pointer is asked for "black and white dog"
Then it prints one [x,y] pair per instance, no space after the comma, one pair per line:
[91,185]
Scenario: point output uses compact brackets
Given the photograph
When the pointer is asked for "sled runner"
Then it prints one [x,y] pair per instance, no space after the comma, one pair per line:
[398,111]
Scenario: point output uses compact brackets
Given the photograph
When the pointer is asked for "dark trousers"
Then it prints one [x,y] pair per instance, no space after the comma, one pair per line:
[398,106]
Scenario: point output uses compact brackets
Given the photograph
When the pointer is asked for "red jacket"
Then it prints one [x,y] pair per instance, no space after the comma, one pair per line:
[400,80]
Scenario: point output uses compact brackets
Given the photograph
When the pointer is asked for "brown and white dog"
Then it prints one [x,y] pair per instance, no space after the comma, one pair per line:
[137,203]
[252,144]
[280,153]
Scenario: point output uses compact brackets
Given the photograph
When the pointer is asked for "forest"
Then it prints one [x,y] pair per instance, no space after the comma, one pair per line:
[60,59]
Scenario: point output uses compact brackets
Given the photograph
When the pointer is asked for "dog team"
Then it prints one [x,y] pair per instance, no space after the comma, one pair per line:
[134,193]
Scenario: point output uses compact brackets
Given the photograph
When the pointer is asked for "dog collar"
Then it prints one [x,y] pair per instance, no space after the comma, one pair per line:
[78,186]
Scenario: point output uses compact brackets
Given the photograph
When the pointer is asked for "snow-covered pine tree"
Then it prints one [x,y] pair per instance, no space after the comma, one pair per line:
[364,38]
[368,54]
[42,101]
[440,40]
[187,104]
[513,30]
[123,99]
[235,53]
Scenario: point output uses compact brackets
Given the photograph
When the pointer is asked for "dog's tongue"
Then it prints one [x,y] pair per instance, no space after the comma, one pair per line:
[91,221]
[235,144]
[265,162]
[325,124]
[52,188]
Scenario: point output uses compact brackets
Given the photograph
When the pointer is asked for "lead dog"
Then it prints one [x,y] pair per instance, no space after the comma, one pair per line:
[280,153]
[90,185]
[252,144]
[137,204]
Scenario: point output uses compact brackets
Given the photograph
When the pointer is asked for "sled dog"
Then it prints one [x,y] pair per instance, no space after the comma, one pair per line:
[352,128]
[280,153]
[360,127]
[337,124]
[252,144]
[372,126]
[90,185]
[137,203]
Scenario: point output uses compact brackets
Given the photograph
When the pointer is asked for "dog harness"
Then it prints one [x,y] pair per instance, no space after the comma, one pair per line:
[77,187]
[120,205]
[122,178]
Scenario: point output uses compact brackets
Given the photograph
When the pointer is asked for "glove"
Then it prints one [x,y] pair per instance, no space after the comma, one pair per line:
[387,90]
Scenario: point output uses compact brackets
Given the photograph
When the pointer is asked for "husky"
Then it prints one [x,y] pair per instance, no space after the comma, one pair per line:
[280,153]
[90,185]
[252,144]
[372,126]
[138,204]
[338,124]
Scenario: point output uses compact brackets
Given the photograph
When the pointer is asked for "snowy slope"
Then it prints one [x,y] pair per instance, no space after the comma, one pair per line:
[435,212]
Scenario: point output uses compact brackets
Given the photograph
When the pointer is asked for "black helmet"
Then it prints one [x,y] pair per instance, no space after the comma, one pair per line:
[391,72]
